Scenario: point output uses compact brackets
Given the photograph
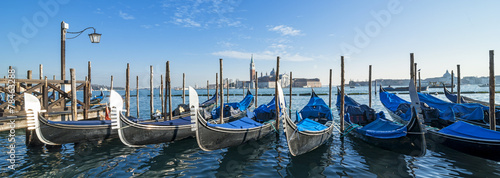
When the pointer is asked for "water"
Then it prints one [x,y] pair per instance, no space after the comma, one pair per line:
[266,157]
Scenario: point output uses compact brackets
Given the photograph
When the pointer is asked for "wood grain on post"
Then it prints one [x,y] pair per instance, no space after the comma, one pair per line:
[412,73]
[183,86]
[227,90]
[151,92]
[290,105]
[73,95]
[458,84]
[276,98]
[169,92]
[29,76]
[221,94]
[127,91]
[40,71]
[342,98]
[111,85]
[166,92]
[86,98]
[330,90]
[216,89]
[492,92]
[90,76]
[137,95]
[46,98]
[370,86]
[256,89]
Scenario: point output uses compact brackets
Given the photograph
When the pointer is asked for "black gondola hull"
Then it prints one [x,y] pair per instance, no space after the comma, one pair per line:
[300,142]
[137,134]
[57,134]
[480,148]
[214,138]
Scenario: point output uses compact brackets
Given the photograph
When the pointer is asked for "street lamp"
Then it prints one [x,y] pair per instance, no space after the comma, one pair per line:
[94,38]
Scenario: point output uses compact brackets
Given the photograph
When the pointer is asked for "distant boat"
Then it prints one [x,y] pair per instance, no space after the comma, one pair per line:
[440,85]
[180,88]
[422,88]
[487,85]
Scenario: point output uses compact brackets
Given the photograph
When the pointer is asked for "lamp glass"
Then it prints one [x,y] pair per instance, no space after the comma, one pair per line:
[95,37]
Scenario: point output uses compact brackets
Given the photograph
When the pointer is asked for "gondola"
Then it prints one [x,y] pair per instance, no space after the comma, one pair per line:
[312,127]
[234,110]
[374,128]
[135,134]
[459,135]
[61,132]
[257,124]
[473,113]
[389,88]
[465,99]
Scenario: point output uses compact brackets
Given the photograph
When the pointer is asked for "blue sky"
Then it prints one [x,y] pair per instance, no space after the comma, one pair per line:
[309,36]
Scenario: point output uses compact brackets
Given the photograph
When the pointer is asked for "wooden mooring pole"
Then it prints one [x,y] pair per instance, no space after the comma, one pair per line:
[227,90]
[492,91]
[73,95]
[330,90]
[151,92]
[256,89]
[216,89]
[458,84]
[169,82]
[276,98]
[111,84]
[183,86]
[40,71]
[208,90]
[127,91]
[137,95]
[342,98]
[221,94]
[370,86]
[412,72]
[290,105]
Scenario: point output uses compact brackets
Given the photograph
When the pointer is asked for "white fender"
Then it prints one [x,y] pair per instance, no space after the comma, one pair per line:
[194,104]
[116,105]
[32,108]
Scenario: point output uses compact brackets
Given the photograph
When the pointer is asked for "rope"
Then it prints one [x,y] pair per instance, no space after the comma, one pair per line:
[271,125]
[349,130]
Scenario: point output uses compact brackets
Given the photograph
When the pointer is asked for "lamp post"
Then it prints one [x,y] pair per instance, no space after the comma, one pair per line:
[94,38]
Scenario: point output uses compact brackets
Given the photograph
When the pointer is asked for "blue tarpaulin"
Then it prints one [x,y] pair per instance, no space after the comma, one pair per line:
[316,108]
[383,128]
[463,129]
[466,111]
[179,121]
[380,127]
[310,125]
[243,123]
[228,107]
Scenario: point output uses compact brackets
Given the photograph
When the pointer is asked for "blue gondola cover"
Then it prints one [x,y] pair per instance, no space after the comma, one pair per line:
[463,129]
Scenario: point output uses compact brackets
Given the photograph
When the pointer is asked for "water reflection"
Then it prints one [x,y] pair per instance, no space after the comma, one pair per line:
[311,164]
[382,163]
[243,160]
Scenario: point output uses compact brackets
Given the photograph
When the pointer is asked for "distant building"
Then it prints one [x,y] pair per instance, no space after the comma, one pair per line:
[304,82]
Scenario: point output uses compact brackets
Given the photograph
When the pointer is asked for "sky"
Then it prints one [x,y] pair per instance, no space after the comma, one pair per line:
[309,37]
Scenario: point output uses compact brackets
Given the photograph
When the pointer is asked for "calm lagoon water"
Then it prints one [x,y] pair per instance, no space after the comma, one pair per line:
[347,157]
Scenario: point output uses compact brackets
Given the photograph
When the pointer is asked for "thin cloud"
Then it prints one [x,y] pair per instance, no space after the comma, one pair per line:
[207,13]
[266,55]
[126,16]
[285,30]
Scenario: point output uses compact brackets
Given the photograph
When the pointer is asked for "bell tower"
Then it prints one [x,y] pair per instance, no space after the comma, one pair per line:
[252,70]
